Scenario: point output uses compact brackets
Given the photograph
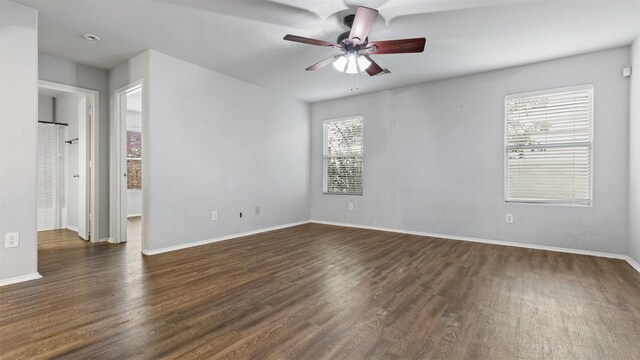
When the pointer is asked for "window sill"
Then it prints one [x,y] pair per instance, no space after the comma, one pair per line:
[548,203]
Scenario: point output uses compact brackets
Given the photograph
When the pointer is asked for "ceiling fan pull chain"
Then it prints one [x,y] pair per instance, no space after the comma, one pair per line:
[355,80]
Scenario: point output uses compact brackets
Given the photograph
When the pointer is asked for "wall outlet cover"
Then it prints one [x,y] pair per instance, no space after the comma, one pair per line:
[350,206]
[11,240]
[509,219]
[214,215]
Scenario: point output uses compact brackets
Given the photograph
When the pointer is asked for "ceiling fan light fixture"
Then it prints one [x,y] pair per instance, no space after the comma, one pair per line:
[340,63]
[363,62]
[352,64]
[356,47]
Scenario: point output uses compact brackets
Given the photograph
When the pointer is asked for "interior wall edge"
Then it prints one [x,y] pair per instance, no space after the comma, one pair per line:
[18,137]
[633,243]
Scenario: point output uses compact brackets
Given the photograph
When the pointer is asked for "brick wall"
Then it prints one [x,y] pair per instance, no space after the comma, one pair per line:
[134,162]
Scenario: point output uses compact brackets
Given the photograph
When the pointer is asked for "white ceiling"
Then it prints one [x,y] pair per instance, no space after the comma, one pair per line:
[244,38]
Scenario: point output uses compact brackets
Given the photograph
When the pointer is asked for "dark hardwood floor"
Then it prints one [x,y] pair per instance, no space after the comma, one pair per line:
[321,292]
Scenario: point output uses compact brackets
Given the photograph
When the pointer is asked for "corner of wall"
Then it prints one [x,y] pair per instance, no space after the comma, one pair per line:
[18,132]
[633,247]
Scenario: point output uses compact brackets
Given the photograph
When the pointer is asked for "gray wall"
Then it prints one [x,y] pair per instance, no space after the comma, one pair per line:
[212,142]
[18,130]
[634,155]
[218,143]
[69,73]
[45,108]
[434,158]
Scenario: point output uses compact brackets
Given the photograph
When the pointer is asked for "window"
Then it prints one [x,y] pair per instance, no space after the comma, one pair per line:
[548,140]
[342,142]
[134,160]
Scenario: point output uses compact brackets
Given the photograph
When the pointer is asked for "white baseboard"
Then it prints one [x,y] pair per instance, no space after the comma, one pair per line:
[72,228]
[633,263]
[485,241]
[103,240]
[18,279]
[133,215]
[221,238]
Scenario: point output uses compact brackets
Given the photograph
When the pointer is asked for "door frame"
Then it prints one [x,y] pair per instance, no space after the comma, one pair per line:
[118,166]
[94,163]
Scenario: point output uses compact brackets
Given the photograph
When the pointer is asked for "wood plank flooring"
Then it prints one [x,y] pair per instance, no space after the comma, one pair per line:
[320,292]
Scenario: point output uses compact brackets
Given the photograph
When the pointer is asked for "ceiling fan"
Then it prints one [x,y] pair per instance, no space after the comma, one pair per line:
[357,49]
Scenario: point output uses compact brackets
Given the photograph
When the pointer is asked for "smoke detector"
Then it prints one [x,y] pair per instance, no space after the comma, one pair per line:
[90,37]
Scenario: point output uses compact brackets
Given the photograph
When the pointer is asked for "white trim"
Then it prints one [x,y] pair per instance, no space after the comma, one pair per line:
[108,239]
[134,215]
[221,238]
[118,193]
[50,228]
[72,228]
[633,263]
[483,241]
[19,279]
[94,206]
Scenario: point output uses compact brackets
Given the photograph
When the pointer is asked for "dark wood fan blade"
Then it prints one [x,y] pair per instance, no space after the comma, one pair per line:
[305,40]
[365,17]
[397,46]
[321,64]
[374,68]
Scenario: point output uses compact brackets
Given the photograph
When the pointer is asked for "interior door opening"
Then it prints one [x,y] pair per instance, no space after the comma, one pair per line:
[128,216]
[65,184]
[133,151]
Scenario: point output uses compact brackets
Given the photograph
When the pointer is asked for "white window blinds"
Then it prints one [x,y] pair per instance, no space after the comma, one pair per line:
[548,146]
[342,142]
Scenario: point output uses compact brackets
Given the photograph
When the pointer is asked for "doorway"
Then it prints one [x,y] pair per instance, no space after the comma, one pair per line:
[66,150]
[128,143]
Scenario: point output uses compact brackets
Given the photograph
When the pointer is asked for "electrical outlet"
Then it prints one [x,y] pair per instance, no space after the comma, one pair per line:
[257,210]
[350,206]
[214,215]
[509,219]
[11,240]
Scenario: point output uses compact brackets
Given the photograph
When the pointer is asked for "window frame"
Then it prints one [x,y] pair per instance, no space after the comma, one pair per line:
[324,156]
[127,158]
[553,202]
